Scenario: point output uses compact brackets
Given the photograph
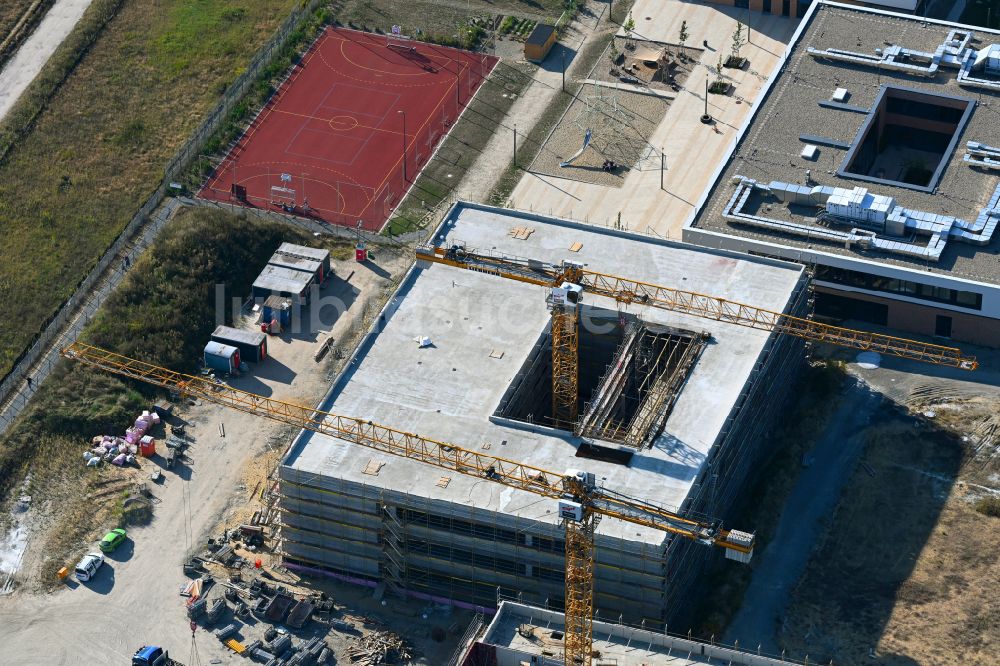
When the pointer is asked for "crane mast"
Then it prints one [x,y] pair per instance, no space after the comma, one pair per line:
[581,501]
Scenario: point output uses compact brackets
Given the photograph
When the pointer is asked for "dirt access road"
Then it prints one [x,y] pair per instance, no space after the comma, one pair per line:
[883,558]
[134,599]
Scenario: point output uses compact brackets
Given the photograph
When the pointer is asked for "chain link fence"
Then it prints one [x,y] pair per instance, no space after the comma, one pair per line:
[78,311]
[236,92]
[74,313]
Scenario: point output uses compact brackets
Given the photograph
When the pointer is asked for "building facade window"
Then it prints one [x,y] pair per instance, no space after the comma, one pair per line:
[924,292]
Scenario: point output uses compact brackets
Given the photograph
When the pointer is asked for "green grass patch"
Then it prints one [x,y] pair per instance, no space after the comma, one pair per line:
[166,309]
[431,21]
[18,19]
[72,182]
[11,12]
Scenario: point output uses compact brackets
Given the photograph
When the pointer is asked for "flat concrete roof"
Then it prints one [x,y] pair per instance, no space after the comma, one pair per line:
[283,280]
[449,391]
[295,262]
[771,147]
[617,644]
[316,253]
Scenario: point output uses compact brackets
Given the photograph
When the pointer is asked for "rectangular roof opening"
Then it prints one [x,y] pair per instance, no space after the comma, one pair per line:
[907,138]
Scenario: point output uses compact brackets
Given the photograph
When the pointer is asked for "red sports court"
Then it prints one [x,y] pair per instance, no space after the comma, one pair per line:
[330,142]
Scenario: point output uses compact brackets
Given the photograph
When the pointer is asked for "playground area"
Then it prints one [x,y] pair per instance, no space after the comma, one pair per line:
[350,128]
[648,64]
[620,123]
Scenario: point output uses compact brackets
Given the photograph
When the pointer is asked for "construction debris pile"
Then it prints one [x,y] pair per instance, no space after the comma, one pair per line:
[380,647]
[122,451]
[227,562]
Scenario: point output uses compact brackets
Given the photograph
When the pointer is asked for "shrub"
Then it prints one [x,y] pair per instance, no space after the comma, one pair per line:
[989,506]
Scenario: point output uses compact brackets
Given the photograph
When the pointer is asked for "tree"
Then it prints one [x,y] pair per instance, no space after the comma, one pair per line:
[738,41]
[613,54]
[683,37]
[720,86]
[629,26]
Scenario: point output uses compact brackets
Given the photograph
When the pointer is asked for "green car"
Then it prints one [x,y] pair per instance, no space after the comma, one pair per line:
[112,540]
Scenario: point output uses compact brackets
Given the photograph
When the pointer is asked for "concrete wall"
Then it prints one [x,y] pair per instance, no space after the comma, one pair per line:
[364,532]
[733,461]
[681,650]
[775,6]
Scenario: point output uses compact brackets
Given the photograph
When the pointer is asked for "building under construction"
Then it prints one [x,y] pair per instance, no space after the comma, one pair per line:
[519,634]
[672,410]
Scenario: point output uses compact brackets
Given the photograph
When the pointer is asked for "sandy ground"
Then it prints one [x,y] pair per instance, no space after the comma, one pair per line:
[134,598]
[22,69]
[831,461]
[619,121]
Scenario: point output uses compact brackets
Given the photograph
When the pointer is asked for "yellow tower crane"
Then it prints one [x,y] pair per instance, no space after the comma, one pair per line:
[580,500]
[569,281]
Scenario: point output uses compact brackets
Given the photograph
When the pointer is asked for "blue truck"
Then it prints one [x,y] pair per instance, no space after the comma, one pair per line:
[152,655]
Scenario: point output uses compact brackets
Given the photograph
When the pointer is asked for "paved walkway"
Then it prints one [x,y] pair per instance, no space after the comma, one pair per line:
[692,150]
[22,69]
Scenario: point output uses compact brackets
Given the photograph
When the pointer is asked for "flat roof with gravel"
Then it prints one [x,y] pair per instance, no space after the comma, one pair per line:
[798,104]
[482,328]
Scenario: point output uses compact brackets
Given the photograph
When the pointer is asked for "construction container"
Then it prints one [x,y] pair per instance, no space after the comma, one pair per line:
[299,263]
[539,42]
[287,282]
[147,446]
[315,254]
[223,358]
[277,308]
[252,344]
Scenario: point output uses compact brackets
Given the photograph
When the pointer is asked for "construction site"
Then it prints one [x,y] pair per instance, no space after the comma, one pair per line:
[672,407]
[540,430]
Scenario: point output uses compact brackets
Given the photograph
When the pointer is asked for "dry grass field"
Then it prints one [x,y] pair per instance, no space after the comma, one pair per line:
[98,150]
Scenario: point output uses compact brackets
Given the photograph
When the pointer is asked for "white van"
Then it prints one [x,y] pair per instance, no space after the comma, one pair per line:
[88,566]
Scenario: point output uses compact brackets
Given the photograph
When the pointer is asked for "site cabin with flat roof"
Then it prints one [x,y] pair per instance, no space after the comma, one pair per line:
[445,358]
[874,155]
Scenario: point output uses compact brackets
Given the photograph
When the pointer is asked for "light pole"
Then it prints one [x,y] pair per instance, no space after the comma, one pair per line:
[562,57]
[663,165]
[515,145]
[705,118]
[403,113]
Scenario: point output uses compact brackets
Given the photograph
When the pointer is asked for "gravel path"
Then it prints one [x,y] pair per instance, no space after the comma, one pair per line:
[35,52]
